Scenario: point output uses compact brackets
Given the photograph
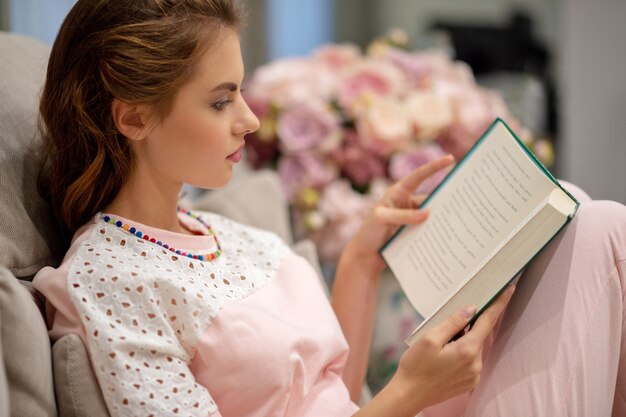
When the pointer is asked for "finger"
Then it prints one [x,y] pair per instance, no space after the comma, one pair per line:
[454,324]
[417,200]
[399,216]
[415,178]
[484,324]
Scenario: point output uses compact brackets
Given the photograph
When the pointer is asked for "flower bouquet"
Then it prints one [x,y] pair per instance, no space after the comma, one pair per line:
[340,125]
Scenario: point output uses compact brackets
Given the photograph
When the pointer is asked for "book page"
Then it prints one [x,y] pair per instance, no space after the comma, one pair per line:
[471,215]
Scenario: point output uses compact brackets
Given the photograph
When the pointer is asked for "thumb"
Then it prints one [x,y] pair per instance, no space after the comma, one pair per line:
[454,324]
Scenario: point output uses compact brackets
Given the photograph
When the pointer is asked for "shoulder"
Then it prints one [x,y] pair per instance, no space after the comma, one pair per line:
[50,275]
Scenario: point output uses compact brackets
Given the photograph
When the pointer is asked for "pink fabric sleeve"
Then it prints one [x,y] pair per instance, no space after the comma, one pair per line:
[61,315]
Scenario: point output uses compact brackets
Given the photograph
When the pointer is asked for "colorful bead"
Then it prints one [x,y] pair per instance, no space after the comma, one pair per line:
[132,230]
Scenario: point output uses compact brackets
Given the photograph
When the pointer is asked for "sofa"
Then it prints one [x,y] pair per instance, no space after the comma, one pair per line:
[37,379]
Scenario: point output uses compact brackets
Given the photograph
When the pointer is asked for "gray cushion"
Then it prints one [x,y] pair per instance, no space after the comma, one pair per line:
[25,351]
[76,387]
[4,386]
[27,235]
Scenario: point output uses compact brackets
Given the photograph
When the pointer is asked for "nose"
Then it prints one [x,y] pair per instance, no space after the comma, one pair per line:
[248,122]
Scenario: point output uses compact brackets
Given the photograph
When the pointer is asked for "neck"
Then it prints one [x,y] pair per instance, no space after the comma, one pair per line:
[150,202]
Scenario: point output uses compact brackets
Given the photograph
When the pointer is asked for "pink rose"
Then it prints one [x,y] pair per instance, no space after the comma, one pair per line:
[421,68]
[291,80]
[461,73]
[304,170]
[344,210]
[365,80]
[385,126]
[359,165]
[416,67]
[338,57]
[457,140]
[474,110]
[455,82]
[402,164]
[430,113]
[307,126]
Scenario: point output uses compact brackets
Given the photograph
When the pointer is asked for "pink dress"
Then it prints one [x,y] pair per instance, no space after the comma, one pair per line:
[250,333]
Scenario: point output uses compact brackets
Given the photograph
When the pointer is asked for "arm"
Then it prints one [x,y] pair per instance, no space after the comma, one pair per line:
[354,302]
[139,363]
[432,369]
[358,272]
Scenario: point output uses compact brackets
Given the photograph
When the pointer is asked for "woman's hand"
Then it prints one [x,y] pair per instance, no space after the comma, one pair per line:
[398,206]
[436,369]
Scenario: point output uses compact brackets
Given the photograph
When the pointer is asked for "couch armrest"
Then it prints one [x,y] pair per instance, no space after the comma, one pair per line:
[4,389]
[25,352]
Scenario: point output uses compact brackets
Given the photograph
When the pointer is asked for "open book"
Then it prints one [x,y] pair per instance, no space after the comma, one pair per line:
[488,218]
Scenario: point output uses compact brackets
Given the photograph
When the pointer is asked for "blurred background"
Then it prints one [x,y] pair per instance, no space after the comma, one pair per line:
[558,64]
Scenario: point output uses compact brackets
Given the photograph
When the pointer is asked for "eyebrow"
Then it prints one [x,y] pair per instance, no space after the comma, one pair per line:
[226,86]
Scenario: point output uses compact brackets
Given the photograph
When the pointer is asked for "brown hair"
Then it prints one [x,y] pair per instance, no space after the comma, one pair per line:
[138,51]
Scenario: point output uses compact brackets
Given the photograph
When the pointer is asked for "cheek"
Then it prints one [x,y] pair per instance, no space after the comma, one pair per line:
[192,139]
[203,130]
[192,147]
[191,127]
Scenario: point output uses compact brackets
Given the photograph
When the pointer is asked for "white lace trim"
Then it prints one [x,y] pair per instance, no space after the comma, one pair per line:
[144,308]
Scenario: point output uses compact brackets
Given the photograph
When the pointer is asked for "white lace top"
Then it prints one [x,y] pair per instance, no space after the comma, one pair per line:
[161,328]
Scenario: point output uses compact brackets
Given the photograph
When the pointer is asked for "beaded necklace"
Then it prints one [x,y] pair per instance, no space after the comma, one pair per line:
[133,231]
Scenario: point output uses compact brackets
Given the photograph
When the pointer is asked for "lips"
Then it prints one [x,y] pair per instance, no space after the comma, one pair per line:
[236,156]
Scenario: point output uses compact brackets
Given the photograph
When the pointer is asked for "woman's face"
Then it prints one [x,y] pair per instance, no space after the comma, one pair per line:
[202,137]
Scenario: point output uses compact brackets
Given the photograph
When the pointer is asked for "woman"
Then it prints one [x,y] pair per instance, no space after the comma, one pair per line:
[192,314]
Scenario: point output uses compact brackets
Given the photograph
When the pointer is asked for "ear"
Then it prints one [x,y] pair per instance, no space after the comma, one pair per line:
[130,119]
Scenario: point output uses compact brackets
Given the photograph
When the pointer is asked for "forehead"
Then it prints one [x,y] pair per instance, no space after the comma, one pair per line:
[220,61]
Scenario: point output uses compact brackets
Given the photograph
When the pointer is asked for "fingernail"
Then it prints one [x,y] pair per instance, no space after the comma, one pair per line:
[468,312]
[511,289]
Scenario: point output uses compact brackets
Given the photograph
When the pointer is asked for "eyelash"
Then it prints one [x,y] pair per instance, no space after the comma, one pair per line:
[222,104]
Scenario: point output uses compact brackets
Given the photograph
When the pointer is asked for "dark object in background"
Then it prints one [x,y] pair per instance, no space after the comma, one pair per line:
[510,48]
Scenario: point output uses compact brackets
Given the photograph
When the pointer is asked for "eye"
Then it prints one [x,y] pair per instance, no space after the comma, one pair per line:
[222,104]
